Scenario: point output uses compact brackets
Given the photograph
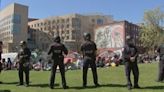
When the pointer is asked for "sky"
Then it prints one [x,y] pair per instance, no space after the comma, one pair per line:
[131,10]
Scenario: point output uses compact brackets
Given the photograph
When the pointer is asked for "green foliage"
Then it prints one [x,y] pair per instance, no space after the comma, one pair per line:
[152,30]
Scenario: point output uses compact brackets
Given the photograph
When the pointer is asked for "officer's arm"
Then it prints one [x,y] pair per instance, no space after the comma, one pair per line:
[81,49]
[65,50]
[123,52]
[50,50]
[136,52]
[158,50]
[95,49]
[29,53]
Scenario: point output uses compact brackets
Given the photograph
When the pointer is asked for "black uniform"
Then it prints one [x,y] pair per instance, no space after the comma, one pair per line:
[131,65]
[161,63]
[57,50]
[24,62]
[88,49]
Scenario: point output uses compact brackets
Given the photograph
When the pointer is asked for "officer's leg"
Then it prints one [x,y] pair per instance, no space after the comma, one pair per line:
[127,72]
[27,71]
[85,70]
[94,72]
[20,73]
[135,73]
[163,72]
[160,71]
[62,71]
[53,72]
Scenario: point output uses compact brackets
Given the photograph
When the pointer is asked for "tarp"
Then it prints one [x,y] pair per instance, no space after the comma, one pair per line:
[12,56]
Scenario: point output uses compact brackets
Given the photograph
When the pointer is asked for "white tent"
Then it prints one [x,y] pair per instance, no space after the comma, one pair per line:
[12,56]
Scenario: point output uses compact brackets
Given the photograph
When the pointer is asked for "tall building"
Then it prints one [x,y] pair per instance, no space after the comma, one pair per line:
[13,26]
[69,27]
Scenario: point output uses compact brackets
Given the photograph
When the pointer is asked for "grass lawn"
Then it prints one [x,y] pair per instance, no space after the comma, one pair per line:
[112,79]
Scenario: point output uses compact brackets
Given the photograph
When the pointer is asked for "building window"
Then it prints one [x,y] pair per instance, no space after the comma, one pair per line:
[41,24]
[63,20]
[58,21]
[62,26]
[76,22]
[45,23]
[53,21]
[67,25]
[16,18]
[99,21]
[67,31]
[67,37]
[67,20]
[16,28]
[49,22]
[73,34]
[93,20]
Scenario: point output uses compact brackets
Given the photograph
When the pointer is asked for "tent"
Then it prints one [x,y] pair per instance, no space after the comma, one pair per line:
[12,56]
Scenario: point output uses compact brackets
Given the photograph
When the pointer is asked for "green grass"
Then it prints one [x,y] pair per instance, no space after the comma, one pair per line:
[112,80]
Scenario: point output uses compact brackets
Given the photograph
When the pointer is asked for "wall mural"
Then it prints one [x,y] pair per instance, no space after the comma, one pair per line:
[111,36]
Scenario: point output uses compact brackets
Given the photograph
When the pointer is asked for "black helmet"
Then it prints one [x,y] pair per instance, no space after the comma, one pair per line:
[23,43]
[87,36]
[57,38]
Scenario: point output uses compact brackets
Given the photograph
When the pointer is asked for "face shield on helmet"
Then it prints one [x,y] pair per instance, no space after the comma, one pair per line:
[87,36]
[57,39]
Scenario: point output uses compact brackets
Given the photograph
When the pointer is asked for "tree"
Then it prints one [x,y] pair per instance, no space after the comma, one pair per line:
[152,30]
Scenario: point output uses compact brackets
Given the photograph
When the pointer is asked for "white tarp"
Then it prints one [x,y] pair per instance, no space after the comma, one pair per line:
[12,56]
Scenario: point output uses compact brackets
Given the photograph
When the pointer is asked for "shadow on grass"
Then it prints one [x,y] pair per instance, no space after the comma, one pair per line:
[41,85]
[10,83]
[93,87]
[154,87]
[5,91]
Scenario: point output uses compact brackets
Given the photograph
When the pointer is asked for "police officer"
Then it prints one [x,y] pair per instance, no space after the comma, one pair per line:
[88,49]
[160,50]
[24,62]
[130,54]
[1,43]
[57,49]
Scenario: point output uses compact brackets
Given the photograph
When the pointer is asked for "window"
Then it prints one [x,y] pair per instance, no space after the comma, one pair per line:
[53,21]
[58,21]
[76,22]
[67,20]
[62,26]
[93,20]
[67,31]
[67,37]
[16,18]
[99,21]
[67,25]
[41,24]
[63,20]
[16,28]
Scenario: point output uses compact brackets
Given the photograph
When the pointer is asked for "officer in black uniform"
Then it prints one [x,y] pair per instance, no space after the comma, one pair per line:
[160,50]
[130,54]
[88,49]
[24,62]
[57,49]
